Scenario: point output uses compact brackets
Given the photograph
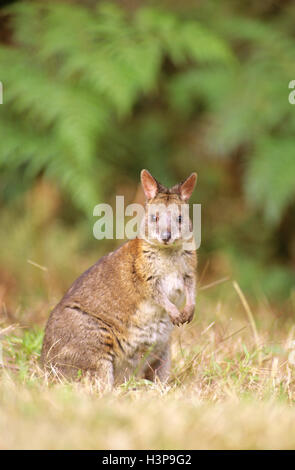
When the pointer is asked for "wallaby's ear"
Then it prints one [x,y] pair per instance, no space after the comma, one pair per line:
[186,188]
[149,184]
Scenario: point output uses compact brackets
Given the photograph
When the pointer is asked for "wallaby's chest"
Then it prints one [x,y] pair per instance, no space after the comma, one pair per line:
[173,286]
[170,272]
[150,327]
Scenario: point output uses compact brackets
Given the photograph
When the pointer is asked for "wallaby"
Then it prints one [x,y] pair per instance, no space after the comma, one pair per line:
[117,317]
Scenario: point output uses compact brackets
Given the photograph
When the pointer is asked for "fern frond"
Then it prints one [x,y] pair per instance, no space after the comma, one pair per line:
[270,177]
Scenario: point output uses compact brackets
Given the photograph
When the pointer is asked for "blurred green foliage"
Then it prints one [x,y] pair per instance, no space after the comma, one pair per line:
[76,75]
[92,94]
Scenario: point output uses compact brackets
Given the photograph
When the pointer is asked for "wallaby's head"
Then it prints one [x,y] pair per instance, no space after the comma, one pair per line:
[166,222]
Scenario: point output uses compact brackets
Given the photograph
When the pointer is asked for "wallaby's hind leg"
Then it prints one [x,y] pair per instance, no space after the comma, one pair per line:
[78,345]
[159,367]
[103,375]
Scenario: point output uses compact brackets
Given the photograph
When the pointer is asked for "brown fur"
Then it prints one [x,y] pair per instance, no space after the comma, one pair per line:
[116,318]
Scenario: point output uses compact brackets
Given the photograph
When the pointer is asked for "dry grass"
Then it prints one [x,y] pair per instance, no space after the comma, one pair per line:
[157,418]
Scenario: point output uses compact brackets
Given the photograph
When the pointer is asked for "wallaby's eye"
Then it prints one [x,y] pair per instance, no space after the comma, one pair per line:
[179,219]
[154,218]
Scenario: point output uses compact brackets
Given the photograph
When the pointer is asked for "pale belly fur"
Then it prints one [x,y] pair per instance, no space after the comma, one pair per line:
[149,336]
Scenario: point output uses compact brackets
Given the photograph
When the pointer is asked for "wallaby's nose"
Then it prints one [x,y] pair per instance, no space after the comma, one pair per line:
[165,236]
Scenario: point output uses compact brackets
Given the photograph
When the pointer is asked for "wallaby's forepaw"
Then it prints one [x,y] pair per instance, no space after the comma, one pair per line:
[188,313]
[178,318]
